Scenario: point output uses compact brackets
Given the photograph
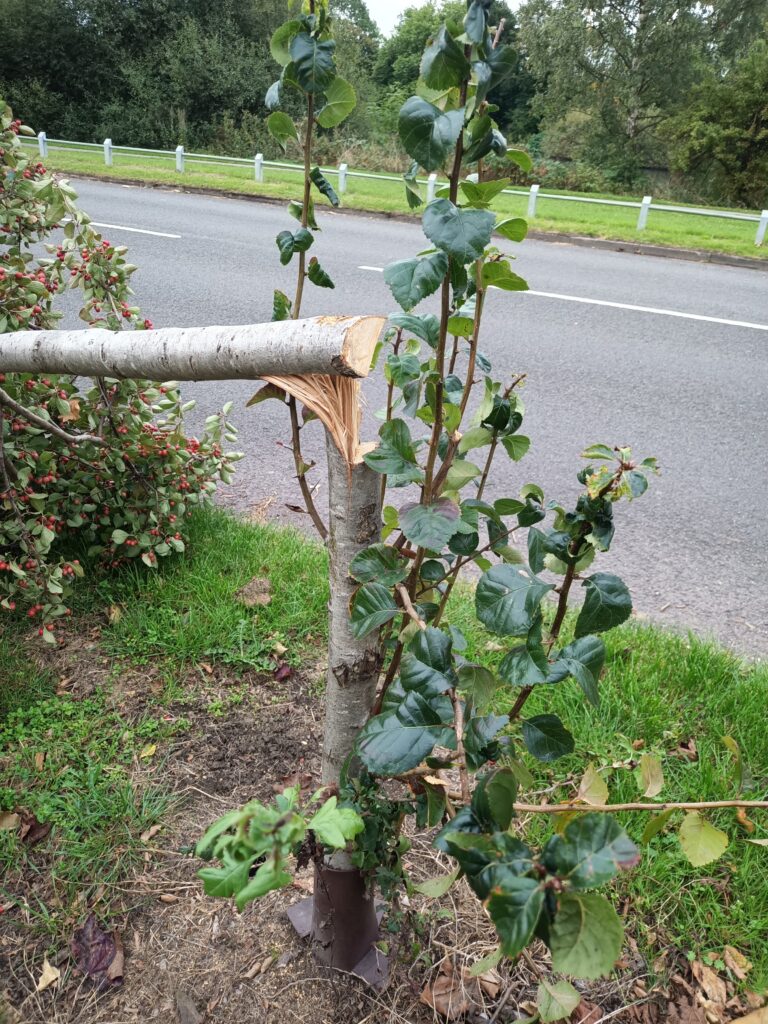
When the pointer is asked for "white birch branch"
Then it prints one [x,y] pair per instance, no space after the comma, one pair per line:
[339,346]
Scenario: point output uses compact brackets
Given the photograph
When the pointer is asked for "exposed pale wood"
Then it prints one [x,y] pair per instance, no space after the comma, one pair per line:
[335,346]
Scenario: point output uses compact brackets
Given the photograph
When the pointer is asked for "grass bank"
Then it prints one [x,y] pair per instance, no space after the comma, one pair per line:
[671,229]
[92,762]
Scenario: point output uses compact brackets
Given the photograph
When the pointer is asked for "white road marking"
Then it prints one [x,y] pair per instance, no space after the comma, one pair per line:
[632,308]
[138,231]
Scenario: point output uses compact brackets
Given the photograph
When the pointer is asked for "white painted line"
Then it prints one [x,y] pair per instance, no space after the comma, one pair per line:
[632,308]
[138,231]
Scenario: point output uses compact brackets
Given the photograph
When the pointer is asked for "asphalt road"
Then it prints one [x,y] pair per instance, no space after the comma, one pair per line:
[687,388]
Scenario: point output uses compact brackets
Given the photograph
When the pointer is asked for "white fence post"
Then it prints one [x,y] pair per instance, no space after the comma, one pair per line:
[258,167]
[342,178]
[532,197]
[180,159]
[431,185]
[761,228]
[108,152]
[42,144]
[645,206]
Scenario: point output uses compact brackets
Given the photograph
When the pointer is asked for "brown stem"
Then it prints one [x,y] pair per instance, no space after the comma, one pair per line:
[390,403]
[408,605]
[701,805]
[301,474]
[302,273]
[46,425]
[562,606]
[479,294]
[458,724]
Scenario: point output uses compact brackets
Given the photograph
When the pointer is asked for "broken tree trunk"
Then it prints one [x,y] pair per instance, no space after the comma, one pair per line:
[335,345]
[316,361]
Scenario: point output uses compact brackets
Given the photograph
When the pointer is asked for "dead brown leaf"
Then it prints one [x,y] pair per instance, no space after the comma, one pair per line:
[150,833]
[32,831]
[208,669]
[39,760]
[453,993]
[257,592]
[98,954]
[746,823]
[48,976]
[586,1013]
[74,411]
[9,821]
[756,1017]
[712,985]
[736,962]
[168,897]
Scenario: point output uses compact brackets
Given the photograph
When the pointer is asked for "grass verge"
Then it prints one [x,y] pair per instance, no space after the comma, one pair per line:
[678,230]
[661,691]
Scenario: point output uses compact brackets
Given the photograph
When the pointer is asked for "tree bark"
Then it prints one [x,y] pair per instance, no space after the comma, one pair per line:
[337,346]
[353,665]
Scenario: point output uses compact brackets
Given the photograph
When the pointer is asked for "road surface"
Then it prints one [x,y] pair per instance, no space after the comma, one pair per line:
[668,356]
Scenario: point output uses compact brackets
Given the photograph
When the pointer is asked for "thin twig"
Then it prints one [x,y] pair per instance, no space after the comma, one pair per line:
[458,725]
[408,606]
[46,425]
[700,805]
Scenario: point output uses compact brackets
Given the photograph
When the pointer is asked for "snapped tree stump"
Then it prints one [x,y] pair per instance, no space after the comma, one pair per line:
[320,362]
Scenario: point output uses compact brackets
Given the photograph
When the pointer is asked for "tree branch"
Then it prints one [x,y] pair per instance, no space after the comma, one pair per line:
[47,425]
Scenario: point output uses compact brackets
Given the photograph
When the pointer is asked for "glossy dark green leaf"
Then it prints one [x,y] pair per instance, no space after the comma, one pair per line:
[426,326]
[424,667]
[427,133]
[289,242]
[546,738]
[323,186]
[583,659]
[443,64]
[430,526]
[515,911]
[524,666]
[412,280]
[504,61]
[340,101]
[494,798]
[607,604]
[508,599]
[592,851]
[464,821]
[479,683]
[412,187]
[398,741]
[380,563]
[314,61]
[396,453]
[461,233]
[372,606]
[317,275]
[474,22]
[480,743]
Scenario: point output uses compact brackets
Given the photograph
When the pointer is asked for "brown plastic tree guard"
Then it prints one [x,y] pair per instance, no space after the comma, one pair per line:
[319,361]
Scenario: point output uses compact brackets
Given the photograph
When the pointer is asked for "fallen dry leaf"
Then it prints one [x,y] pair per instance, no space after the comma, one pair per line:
[282,672]
[150,833]
[257,592]
[33,831]
[712,985]
[279,649]
[453,994]
[48,976]
[736,962]
[208,669]
[168,897]
[586,1013]
[746,823]
[114,614]
[39,760]
[98,954]
[148,751]
[756,1017]
[9,821]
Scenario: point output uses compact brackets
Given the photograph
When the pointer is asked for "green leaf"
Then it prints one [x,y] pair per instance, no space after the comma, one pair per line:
[281,127]
[546,738]
[520,158]
[499,275]
[340,102]
[318,276]
[524,666]
[396,453]
[583,659]
[281,306]
[281,41]
[434,888]
[228,879]
[507,600]
[481,193]
[477,437]
[461,233]
[372,606]
[516,446]
[271,875]
[586,936]
[701,842]
[655,825]
[430,526]
[515,911]
[427,665]
[443,64]
[474,22]
[607,604]
[515,229]
[504,61]
[428,135]
[593,849]
[556,1000]
[119,536]
[412,189]
[410,281]
[335,826]
[313,61]
[460,474]
[323,186]
[426,326]
[379,563]
[272,97]
[599,451]
[494,798]
[651,775]
[479,683]
[288,243]
[399,740]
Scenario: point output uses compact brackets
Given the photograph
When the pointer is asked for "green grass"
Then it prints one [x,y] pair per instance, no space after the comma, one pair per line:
[659,688]
[671,229]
